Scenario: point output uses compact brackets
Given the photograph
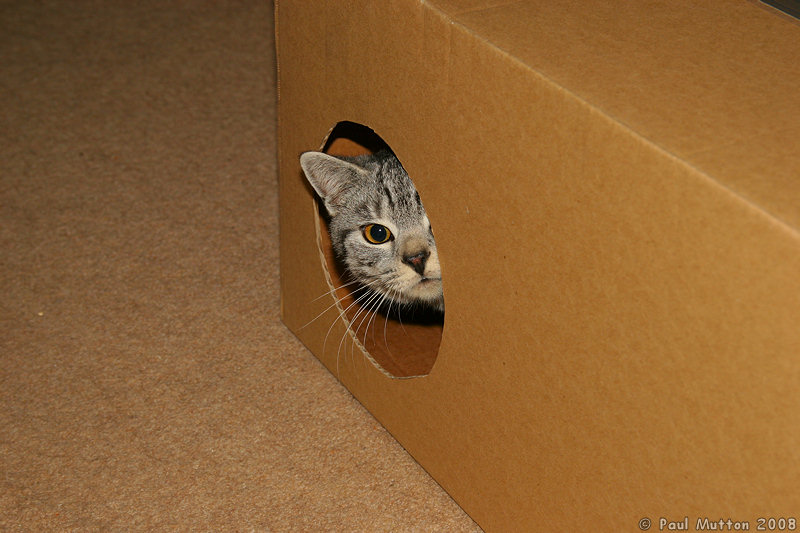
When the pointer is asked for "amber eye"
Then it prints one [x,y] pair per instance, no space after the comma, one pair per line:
[377,234]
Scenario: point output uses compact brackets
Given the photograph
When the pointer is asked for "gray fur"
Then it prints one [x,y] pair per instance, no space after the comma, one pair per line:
[375,189]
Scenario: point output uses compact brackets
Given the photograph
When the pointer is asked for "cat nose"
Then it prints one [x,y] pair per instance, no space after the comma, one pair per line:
[417,261]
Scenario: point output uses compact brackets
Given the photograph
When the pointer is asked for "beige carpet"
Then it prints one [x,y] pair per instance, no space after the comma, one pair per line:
[146,380]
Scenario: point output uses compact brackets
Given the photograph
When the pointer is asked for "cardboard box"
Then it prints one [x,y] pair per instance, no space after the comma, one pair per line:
[615,191]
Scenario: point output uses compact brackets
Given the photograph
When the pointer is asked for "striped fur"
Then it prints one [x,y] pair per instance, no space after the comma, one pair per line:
[375,189]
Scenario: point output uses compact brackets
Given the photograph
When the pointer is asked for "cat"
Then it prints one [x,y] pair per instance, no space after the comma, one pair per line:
[380,231]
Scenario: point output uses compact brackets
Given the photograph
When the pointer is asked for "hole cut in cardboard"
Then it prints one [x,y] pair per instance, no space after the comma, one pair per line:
[400,346]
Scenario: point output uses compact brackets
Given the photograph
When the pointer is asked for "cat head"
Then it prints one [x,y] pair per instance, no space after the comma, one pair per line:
[379,229]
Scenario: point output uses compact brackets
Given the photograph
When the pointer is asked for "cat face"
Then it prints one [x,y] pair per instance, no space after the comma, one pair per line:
[379,229]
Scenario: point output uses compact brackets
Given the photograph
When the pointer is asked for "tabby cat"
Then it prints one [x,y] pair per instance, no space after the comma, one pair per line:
[380,232]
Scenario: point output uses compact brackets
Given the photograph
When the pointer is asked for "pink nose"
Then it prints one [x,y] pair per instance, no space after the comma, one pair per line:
[417,261]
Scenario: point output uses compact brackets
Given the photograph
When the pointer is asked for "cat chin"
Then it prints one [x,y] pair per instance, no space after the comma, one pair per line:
[428,292]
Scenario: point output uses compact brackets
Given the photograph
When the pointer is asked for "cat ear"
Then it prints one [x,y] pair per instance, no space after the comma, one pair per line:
[330,177]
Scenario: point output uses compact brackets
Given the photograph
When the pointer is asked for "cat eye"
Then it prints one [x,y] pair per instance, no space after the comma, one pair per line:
[377,234]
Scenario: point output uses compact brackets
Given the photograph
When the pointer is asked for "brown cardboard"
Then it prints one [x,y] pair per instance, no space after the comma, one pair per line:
[614,190]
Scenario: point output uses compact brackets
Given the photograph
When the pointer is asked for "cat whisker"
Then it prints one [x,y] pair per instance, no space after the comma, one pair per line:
[363,302]
[400,317]
[385,327]
[336,301]
[333,290]
[375,314]
[369,312]
[375,311]
[342,316]
[375,308]
[361,310]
